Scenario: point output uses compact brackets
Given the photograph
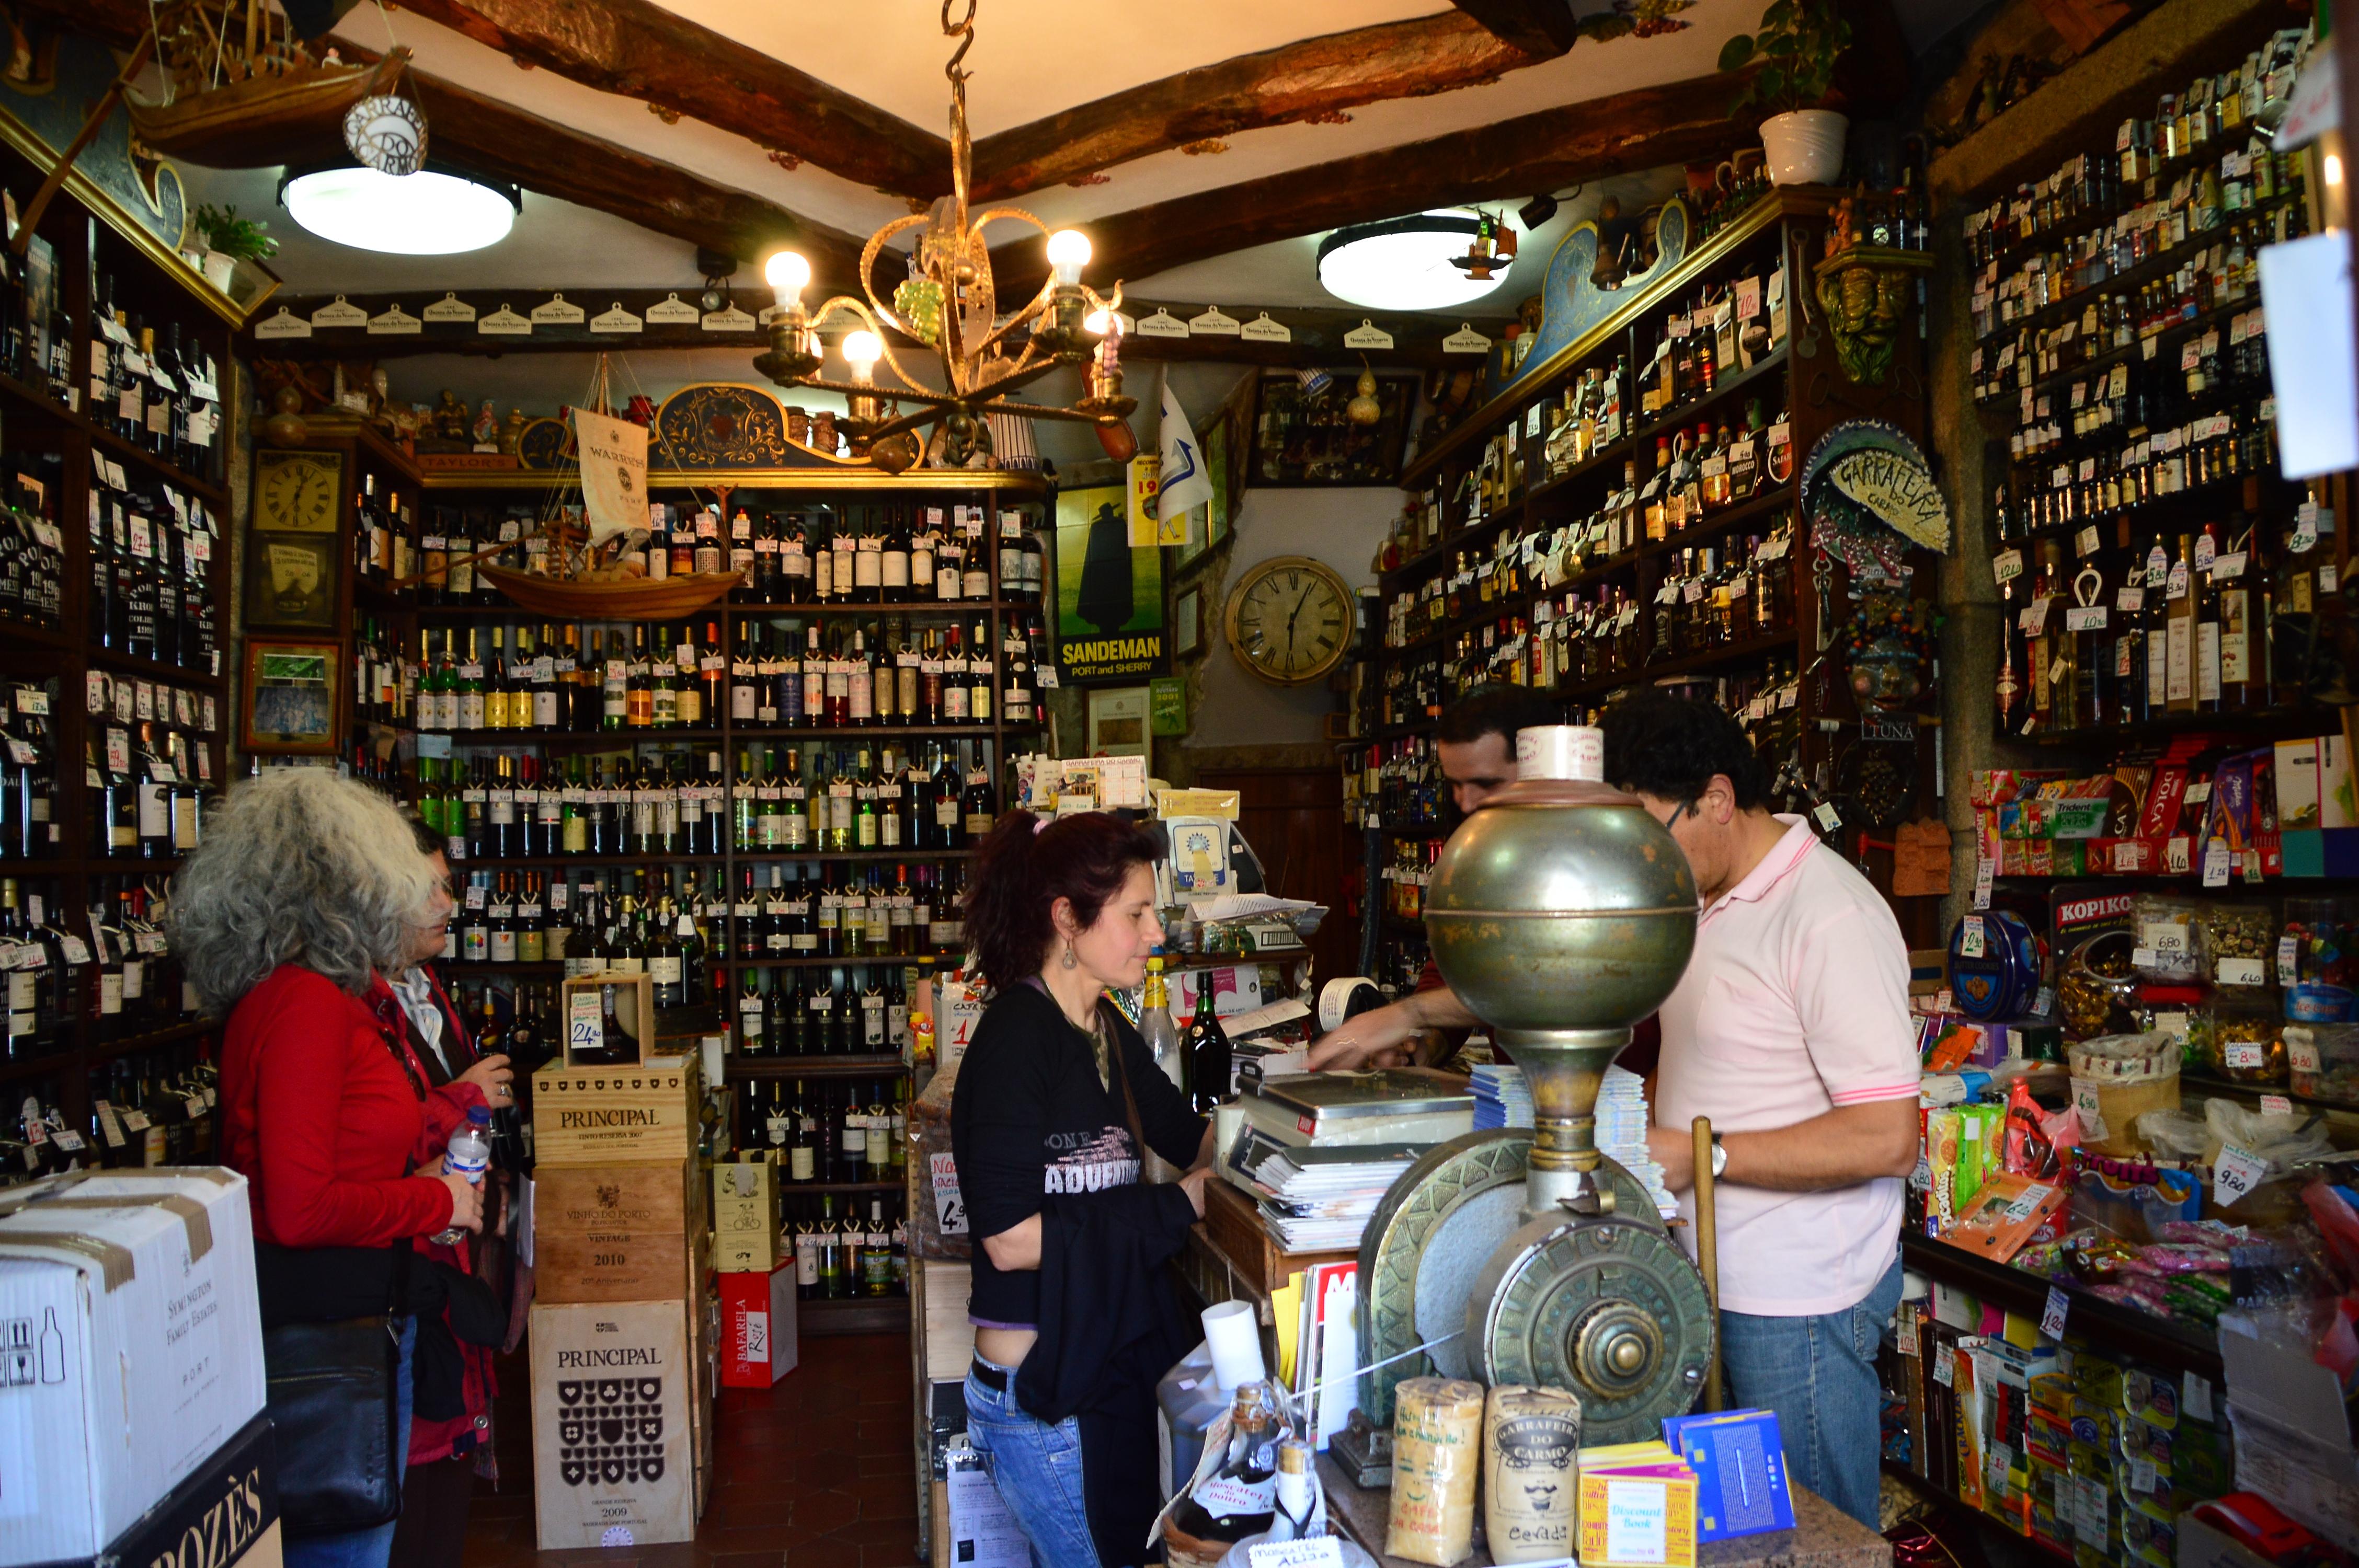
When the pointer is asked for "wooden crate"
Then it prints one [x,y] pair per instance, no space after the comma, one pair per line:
[581,1199]
[604,1117]
[614,1424]
[611,1266]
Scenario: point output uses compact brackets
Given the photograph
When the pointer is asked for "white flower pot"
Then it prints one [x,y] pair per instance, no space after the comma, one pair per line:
[220,269]
[1805,146]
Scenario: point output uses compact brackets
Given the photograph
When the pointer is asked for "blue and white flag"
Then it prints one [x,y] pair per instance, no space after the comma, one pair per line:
[1185,484]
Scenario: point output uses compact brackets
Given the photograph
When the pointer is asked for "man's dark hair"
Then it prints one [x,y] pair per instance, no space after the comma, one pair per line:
[1669,747]
[429,841]
[1498,711]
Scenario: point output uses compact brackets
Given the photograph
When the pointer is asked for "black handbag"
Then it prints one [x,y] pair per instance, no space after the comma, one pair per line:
[334,1414]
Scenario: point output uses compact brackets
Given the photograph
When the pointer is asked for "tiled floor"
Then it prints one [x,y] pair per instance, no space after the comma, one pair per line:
[815,1473]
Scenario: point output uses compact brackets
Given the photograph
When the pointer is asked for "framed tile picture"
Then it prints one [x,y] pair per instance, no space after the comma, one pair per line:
[287,696]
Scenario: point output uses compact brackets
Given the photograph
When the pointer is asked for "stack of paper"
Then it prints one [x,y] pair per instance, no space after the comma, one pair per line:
[1502,1099]
[1318,1344]
[1320,1200]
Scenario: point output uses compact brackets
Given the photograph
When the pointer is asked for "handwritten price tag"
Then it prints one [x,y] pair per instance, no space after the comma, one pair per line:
[2051,1318]
[1969,937]
[2236,1173]
[585,1027]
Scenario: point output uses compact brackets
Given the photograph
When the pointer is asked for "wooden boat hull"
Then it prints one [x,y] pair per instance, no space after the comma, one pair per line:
[638,599]
[295,117]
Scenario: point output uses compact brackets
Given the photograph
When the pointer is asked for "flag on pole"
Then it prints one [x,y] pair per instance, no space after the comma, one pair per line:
[1184,482]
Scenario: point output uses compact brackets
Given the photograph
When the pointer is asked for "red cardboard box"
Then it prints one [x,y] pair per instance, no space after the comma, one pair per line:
[758,1340]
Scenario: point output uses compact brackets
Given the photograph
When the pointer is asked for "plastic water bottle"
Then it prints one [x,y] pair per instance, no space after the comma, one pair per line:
[469,1155]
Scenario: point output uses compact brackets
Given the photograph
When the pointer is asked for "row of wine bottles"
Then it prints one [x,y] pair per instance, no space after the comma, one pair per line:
[584,678]
[842,800]
[148,1110]
[820,554]
[107,976]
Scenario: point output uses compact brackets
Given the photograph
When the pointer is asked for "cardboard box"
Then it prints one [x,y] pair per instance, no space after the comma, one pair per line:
[613,1387]
[758,1341]
[582,1199]
[101,1271]
[225,1515]
[745,1195]
[745,1251]
[604,1117]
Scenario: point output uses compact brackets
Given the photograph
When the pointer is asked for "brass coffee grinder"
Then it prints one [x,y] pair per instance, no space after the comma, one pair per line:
[1561,914]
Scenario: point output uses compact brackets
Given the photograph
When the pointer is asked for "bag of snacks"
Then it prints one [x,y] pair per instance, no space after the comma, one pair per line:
[2237,938]
[2169,932]
[2244,1043]
[2322,1060]
[2116,1078]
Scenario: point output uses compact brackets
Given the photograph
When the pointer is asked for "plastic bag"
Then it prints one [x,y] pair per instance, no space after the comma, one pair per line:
[2281,1138]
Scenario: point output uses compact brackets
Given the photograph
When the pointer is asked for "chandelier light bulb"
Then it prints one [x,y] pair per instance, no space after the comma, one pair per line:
[1069,252]
[789,274]
[1102,322]
[862,350]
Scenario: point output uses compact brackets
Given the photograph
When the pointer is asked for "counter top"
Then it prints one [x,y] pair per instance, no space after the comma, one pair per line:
[1821,1537]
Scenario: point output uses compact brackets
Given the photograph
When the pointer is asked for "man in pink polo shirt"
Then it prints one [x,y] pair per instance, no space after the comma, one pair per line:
[1790,1031]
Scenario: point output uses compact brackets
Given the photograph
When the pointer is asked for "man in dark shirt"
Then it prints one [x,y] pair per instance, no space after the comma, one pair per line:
[1476,745]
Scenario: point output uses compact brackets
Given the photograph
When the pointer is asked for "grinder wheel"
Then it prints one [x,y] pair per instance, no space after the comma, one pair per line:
[1612,1311]
[1429,1241]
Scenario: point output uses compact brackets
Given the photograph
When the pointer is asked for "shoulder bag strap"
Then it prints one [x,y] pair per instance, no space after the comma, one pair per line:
[1113,1038]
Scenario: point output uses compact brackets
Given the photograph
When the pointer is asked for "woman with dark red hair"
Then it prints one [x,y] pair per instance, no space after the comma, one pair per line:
[1074,1320]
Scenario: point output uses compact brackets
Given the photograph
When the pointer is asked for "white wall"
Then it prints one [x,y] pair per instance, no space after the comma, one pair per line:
[1343,529]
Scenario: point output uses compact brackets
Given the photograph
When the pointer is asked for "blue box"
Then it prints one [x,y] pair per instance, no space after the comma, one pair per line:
[1739,1460]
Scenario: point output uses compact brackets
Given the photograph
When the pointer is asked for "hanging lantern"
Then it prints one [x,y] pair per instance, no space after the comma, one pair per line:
[387,134]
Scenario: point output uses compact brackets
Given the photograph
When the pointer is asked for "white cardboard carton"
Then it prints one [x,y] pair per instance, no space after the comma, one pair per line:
[130,1349]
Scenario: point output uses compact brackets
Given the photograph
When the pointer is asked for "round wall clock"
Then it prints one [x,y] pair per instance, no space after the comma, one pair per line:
[296,492]
[1290,619]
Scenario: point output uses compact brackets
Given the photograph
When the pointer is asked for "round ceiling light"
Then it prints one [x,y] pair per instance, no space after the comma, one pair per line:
[428,213]
[1403,263]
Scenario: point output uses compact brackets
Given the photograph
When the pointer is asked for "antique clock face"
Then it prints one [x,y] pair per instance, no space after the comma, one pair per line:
[296,492]
[1289,621]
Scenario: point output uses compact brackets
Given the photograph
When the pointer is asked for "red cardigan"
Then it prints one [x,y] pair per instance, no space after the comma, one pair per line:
[319,1118]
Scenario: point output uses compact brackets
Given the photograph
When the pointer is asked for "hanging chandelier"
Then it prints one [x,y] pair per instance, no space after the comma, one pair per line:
[948,304]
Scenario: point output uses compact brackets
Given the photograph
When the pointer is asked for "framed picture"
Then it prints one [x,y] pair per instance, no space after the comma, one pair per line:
[289,692]
[291,580]
[1109,595]
[1118,720]
[1187,623]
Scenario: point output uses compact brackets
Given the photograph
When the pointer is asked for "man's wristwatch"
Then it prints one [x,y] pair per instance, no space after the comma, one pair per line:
[1719,1157]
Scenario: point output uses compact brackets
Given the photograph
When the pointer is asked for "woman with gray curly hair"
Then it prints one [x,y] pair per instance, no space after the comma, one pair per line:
[307,893]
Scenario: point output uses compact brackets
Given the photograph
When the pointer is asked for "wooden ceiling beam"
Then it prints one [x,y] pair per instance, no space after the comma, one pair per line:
[1541,28]
[1313,79]
[1681,122]
[640,51]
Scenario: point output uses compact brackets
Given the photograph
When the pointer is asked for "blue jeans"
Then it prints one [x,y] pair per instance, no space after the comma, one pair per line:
[1818,1375]
[364,1548]
[1037,1468]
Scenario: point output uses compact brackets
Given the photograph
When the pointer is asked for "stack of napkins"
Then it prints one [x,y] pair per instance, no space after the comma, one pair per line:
[1638,1506]
[1320,1200]
[1502,1099]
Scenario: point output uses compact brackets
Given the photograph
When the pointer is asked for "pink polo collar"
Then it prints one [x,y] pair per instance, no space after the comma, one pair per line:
[1783,858]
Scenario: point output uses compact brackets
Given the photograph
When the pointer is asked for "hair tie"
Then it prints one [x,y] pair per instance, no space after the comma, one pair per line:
[1040,825]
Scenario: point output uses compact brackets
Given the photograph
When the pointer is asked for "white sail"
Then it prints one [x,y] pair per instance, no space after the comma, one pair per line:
[614,474]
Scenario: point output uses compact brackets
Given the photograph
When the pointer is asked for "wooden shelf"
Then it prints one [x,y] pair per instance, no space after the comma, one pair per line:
[857,1315]
[153,669]
[2124,1328]
[882,1064]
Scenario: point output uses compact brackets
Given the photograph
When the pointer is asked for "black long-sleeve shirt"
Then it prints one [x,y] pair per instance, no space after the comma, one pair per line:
[1031,1117]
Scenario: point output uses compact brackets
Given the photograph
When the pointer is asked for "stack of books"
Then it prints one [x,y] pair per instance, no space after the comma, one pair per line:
[1502,1099]
[1320,1200]
[1638,1506]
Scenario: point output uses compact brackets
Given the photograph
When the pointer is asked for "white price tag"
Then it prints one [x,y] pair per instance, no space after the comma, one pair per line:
[1969,937]
[1985,870]
[950,1209]
[1320,1551]
[2051,1317]
[2243,972]
[2276,1105]
[585,1026]
[2215,864]
[2245,1055]
[1944,1371]
[2085,1111]
[2288,959]
[2236,1174]
[2301,1052]
[2195,1397]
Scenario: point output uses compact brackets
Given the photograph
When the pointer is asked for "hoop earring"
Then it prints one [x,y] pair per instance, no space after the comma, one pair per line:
[1068,961]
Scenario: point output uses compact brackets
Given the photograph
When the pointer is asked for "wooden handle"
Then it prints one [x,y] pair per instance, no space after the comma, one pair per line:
[1708,1250]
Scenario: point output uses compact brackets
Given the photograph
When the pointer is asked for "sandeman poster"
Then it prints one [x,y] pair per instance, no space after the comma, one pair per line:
[1109,596]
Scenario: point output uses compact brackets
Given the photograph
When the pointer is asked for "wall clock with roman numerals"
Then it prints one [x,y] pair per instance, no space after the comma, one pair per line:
[1290,619]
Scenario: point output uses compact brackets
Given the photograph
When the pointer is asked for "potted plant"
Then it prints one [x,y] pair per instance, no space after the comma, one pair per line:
[230,238]
[1796,47]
